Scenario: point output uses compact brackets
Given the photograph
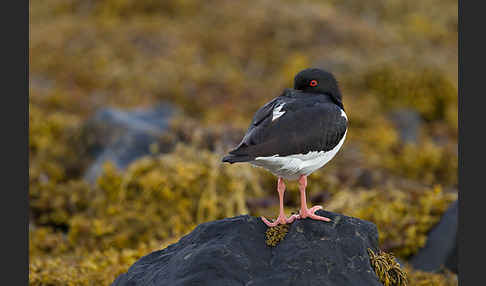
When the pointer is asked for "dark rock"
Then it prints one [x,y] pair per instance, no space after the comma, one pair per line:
[124,136]
[233,251]
[452,260]
[365,179]
[408,122]
[441,246]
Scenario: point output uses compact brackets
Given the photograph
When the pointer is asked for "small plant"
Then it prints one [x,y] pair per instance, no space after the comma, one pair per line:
[387,269]
[276,234]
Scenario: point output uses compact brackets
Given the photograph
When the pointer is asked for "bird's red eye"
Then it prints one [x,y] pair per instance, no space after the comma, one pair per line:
[313,82]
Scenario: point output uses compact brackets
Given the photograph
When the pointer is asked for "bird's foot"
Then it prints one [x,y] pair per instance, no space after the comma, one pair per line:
[280,220]
[310,213]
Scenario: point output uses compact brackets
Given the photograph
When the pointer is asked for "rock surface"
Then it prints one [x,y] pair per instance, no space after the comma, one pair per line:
[233,251]
[441,246]
[408,123]
[124,136]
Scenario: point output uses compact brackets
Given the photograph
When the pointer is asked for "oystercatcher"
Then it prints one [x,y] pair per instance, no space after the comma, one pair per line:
[295,134]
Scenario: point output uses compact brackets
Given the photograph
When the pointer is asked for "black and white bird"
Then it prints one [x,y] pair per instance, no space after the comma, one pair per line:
[295,134]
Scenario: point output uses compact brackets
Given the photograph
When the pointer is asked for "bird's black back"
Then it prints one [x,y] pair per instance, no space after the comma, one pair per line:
[311,122]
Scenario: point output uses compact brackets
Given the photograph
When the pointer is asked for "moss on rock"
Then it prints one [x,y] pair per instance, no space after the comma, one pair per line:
[275,234]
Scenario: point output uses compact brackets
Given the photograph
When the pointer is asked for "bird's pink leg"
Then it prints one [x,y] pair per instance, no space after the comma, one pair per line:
[304,211]
[281,217]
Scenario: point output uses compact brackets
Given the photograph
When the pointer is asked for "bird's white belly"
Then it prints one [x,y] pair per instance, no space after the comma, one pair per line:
[291,167]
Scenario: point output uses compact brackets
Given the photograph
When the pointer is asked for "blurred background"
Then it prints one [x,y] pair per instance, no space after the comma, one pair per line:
[134,102]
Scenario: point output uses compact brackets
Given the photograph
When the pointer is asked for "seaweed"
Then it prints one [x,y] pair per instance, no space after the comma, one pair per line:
[387,269]
[273,235]
[91,54]
[404,217]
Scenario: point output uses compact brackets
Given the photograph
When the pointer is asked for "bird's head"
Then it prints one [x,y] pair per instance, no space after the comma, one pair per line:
[314,80]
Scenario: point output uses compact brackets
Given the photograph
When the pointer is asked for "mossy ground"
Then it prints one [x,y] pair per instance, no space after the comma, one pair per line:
[218,66]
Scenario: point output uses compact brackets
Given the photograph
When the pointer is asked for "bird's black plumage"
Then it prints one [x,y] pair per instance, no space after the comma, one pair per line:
[311,120]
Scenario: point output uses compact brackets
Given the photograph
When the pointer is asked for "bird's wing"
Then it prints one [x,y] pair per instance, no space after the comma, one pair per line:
[261,117]
[267,110]
[302,126]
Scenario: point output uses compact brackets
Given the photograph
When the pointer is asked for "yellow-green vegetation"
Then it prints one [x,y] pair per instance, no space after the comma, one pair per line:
[52,145]
[402,217]
[391,274]
[156,198]
[429,91]
[127,215]
[275,234]
[426,162]
[422,278]
[55,261]
[387,269]
[218,65]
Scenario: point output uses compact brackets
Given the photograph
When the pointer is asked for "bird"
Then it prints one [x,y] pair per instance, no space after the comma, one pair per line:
[294,135]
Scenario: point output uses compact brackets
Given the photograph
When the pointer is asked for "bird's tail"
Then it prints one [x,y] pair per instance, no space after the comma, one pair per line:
[236,158]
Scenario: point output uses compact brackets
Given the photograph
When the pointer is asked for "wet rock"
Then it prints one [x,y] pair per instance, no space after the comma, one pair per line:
[441,246]
[233,251]
[124,136]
